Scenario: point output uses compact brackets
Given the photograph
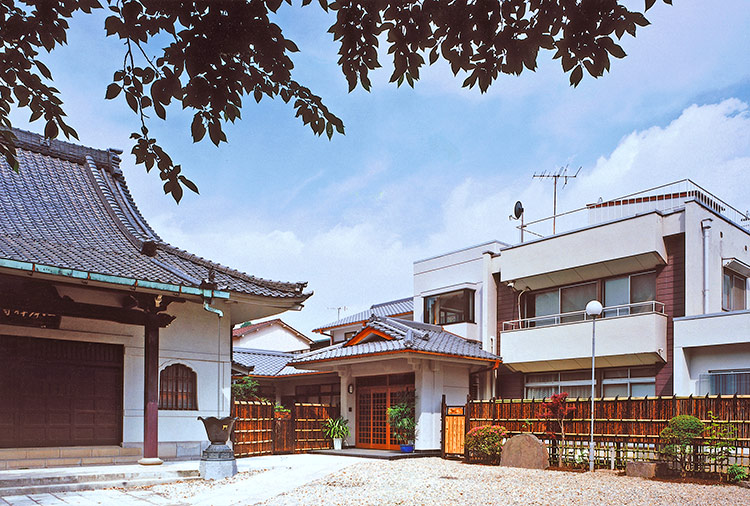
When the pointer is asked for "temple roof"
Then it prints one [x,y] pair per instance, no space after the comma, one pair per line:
[69,207]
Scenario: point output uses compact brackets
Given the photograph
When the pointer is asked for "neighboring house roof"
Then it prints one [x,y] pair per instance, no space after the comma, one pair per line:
[383,335]
[69,208]
[398,307]
[249,329]
[266,363]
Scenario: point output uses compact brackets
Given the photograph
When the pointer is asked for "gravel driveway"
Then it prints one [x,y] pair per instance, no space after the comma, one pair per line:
[433,481]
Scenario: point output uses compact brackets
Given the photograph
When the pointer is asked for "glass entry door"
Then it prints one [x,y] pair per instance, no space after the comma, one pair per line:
[373,401]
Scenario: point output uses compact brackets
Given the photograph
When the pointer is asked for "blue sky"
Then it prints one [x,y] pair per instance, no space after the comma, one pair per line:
[432,169]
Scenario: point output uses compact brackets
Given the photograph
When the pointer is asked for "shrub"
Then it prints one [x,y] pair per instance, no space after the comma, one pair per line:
[679,436]
[486,442]
[245,389]
[737,473]
[720,439]
[402,422]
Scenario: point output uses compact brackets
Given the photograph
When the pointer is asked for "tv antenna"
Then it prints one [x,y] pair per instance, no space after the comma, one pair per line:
[518,215]
[561,173]
[338,311]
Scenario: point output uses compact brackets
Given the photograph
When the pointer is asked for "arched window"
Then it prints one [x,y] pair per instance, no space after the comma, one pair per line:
[177,388]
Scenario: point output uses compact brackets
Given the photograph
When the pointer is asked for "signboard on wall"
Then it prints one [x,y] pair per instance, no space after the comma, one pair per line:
[14,316]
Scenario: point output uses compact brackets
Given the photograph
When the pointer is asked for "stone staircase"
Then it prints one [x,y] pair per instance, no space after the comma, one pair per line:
[41,481]
[66,456]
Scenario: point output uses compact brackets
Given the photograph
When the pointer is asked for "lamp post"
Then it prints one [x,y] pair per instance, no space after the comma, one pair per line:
[593,309]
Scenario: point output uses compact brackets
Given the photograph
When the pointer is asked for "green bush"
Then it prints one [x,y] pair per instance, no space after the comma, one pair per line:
[486,443]
[736,473]
[245,389]
[679,437]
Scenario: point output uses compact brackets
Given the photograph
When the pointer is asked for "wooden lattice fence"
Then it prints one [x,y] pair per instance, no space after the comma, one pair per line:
[624,429]
[257,432]
[253,430]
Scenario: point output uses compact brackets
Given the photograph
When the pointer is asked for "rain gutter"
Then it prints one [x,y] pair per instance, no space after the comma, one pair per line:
[133,283]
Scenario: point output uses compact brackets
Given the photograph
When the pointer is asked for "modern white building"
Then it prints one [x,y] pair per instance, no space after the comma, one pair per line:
[669,264]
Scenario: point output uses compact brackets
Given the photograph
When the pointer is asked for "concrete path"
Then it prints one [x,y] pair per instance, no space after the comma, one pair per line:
[282,474]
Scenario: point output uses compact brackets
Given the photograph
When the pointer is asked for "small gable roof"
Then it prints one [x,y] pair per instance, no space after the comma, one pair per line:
[266,363]
[249,329]
[69,208]
[399,307]
[392,336]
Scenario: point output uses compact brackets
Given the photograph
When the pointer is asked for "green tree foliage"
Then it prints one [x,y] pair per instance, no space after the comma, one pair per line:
[720,440]
[679,437]
[209,56]
[245,389]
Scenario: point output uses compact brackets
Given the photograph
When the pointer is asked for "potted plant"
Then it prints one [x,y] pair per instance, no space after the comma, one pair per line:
[403,424]
[336,429]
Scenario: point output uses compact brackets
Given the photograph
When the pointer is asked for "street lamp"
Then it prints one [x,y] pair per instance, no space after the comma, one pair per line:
[593,309]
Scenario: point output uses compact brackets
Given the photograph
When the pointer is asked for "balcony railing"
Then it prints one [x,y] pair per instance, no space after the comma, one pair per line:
[651,306]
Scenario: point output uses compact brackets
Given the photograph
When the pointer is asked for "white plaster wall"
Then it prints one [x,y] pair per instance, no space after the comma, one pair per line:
[703,343]
[466,268]
[625,336]
[196,338]
[428,382]
[726,241]
[632,237]
[274,337]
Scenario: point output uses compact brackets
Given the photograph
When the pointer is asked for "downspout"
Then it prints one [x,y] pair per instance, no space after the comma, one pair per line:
[706,229]
[218,312]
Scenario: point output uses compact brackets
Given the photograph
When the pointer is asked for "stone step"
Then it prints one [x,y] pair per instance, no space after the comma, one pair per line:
[52,488]
[88,476]
[65,456]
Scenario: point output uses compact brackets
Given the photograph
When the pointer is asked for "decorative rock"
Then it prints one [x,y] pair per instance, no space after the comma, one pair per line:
[646,469]
[526,451]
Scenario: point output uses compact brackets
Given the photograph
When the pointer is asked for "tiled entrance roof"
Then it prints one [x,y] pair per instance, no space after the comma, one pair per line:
[391,308]
[69,207]
[265,362]
[390,335]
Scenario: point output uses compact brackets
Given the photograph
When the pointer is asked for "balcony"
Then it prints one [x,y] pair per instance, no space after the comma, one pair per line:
[627,335]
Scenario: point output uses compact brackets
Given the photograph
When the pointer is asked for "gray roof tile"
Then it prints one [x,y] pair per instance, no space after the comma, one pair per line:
[69,207]
[390,308]
[406,336]
[265,362]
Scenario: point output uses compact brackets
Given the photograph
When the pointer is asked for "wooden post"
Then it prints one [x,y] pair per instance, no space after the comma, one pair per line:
[443,414]
[467,418]
[151,391]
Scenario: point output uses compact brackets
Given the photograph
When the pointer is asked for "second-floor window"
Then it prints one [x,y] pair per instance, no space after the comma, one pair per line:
[629,291]
[734,296]
[450,307]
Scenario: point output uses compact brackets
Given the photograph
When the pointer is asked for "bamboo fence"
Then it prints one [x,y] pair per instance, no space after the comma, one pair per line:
[254,432]
[624,428]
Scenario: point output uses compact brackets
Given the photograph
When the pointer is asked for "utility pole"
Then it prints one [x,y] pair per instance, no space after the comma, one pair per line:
[561,173]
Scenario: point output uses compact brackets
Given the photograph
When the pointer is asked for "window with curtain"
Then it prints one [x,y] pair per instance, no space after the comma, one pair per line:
[178,388]
[642,289]
[575,298]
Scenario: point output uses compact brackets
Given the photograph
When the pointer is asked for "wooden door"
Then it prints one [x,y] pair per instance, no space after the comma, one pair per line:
[59,393]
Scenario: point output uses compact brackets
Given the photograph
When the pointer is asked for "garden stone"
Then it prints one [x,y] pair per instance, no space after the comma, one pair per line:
[646,469]
[526,451]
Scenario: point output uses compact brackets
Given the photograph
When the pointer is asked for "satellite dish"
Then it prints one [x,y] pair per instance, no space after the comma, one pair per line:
[517,210]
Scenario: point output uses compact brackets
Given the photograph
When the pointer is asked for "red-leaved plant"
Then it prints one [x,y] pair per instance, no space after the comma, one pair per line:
[556,410]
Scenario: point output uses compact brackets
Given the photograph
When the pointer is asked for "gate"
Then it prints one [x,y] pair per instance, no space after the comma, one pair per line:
[259,430]
[453,430]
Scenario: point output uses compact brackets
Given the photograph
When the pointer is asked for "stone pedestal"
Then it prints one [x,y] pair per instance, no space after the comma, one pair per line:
[217,462]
